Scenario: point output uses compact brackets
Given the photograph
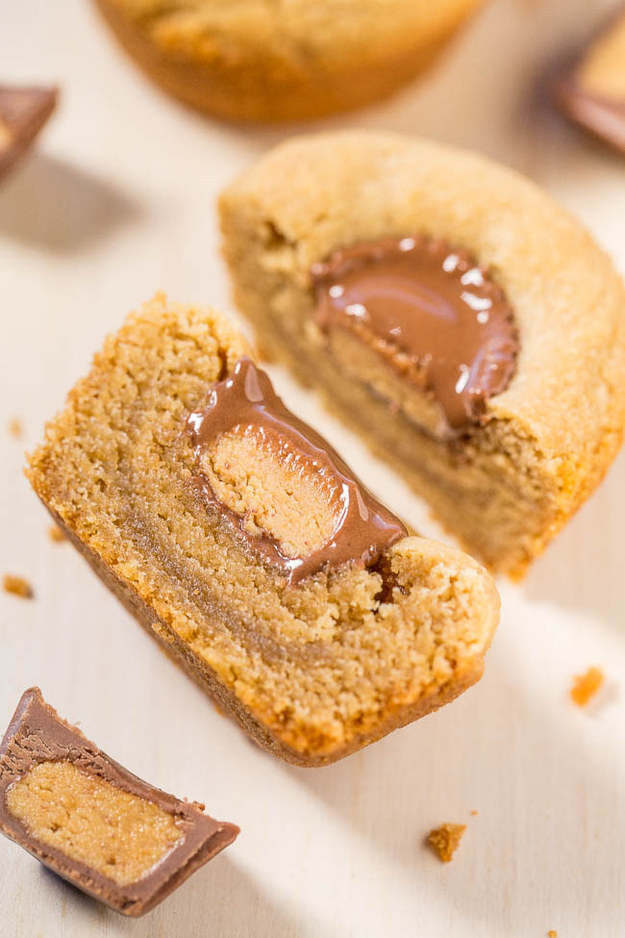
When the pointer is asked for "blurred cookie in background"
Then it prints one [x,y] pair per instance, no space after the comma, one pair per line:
[281,62]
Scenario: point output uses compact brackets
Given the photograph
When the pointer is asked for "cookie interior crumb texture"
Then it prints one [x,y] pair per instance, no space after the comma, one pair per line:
[281,62]
[509,483]
[586,686]
[312,671]
[17,585]
[114,832]
[445,840]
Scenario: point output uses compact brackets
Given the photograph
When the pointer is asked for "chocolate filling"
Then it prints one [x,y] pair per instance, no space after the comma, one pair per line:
[431,312]
[246,402]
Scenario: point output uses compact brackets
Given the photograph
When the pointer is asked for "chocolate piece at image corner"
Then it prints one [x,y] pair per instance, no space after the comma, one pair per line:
[602,117]
[23,112]
[590,89]
[37,736]
[363,529]
[431,311]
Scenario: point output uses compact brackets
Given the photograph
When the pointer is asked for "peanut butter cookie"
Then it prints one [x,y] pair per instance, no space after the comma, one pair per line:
[451,312]
[242,541]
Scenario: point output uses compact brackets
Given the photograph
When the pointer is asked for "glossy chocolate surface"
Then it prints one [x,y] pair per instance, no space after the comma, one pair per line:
[364,527]
[429,310]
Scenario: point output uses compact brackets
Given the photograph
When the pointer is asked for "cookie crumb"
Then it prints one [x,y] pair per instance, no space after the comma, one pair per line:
[552,933]
[17,585]
[15,428]
[585,686]
[55,534]
[445,839]
[474,813]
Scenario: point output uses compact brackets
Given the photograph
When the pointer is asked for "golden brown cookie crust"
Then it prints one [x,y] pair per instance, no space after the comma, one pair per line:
[562,414]
[258,61]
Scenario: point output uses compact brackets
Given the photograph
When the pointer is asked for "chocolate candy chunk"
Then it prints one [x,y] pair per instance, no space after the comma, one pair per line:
[592,91]
[88,819]
[431,312]
[23,112]
[281,486]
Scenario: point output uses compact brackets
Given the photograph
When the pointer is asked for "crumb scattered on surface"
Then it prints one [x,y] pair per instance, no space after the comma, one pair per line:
[15,427]
[474,813]
[585,686]
[55,534]
[552,933]
[445,839]
[17,585]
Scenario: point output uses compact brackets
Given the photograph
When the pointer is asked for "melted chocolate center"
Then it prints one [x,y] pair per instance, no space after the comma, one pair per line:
[430,310]
[362,528]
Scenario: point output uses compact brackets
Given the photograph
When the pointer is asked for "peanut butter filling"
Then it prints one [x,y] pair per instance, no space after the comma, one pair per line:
[284,490]
[115,833]
[262,480]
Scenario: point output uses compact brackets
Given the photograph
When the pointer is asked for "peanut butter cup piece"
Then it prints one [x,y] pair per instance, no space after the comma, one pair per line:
[450,312]
[242,541]
[89,820]
[591,92]
[23,112]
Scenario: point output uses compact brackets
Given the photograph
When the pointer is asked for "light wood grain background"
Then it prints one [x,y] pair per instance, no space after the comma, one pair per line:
[119,201]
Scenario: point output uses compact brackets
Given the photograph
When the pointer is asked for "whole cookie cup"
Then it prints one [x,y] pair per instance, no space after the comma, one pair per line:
[282,62]
[450,311]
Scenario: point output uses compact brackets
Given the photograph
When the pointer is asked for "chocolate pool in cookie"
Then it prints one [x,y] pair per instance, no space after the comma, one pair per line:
[429,311]
[448,310]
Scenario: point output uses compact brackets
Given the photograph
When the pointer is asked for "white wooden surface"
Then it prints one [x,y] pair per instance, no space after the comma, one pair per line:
[119,201]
